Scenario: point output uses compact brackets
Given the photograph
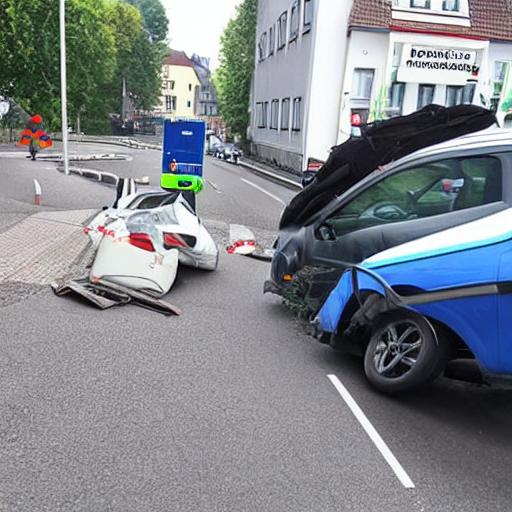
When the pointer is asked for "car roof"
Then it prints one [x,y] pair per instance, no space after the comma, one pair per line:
[484,139]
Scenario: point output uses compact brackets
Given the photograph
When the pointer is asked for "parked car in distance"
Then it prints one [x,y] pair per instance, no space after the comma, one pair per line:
[427,191]
[228,152]
[212,143]
[437,304]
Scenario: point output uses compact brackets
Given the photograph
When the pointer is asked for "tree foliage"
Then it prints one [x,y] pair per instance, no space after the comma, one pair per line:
[106,40]
[234,75]
[154,18]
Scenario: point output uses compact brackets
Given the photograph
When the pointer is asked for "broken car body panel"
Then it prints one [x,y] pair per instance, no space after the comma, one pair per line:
[142,240]
[460,278]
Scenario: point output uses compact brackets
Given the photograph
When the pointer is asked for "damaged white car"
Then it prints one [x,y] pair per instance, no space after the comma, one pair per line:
[142,238]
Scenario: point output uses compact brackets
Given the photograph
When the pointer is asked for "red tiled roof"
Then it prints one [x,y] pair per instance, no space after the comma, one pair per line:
[489,19]
[370,14]
[177,58]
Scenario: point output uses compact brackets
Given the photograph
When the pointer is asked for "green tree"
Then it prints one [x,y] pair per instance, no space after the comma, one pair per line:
[31,62]
[106,40]
[154,18]
[233,77]
[139,61]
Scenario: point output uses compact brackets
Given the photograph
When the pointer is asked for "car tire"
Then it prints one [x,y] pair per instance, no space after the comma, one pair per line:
[403,352]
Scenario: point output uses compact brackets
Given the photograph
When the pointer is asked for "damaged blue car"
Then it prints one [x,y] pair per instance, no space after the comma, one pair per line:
[438,304]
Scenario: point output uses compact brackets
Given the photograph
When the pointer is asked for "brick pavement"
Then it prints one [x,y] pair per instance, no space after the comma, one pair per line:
[41,249]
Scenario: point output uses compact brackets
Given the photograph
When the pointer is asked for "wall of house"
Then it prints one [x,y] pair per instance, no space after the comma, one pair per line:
[396,57]
[185,84]
[327,76]
[282,74]
[366,50]
[309,67]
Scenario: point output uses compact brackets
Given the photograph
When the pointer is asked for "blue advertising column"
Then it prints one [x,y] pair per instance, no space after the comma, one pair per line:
[183,154]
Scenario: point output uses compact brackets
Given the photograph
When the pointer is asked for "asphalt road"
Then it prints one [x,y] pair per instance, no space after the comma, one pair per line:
[229,407]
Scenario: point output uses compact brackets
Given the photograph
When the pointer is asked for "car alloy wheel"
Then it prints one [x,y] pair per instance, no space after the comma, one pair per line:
[403,352]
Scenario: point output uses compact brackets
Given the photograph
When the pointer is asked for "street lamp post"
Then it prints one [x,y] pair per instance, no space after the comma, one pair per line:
[64,122]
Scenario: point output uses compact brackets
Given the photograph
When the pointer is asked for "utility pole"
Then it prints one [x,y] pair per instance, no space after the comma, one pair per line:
[63,94]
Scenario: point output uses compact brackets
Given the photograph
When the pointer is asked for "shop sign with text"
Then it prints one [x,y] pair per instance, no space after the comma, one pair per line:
[433,65]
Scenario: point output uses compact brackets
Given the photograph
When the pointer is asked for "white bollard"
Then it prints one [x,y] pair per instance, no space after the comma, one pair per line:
[38,197]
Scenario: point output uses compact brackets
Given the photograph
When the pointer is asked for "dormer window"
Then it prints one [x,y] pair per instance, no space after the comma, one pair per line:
[420,4]
[451,5]
[444,12]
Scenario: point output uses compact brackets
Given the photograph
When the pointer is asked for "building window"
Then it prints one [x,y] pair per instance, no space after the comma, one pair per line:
[170,103]
[271,41]
[396,99]
[454,95]
[308,14]
[420,4]
[451,5]
[294,21]
[285,114]
[170,84]
[362,82]
[188,104]
[281,30]
[469,93]
[189,87]
[297,114]
[425,95]
[261,113]
[274,114]
[262,47]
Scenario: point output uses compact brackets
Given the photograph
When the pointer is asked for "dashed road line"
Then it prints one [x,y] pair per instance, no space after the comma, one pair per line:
[214,186]
[262,190]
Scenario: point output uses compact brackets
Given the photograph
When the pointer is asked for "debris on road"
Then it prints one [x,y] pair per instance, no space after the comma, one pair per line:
[105,294]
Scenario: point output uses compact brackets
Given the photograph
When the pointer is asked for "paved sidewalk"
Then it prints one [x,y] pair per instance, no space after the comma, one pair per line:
[43,248]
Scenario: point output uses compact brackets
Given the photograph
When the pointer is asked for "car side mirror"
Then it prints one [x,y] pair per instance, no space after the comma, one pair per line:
[307,178]
[326,232]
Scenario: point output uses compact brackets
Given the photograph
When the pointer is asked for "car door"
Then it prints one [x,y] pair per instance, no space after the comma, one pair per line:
[407,204]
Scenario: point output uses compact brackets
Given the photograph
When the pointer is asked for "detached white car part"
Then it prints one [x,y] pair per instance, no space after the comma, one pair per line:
[141,241]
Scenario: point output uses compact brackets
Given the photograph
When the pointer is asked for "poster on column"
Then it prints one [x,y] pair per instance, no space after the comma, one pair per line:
[436,65]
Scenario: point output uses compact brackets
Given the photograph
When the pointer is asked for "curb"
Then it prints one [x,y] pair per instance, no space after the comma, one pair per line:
[84,158]
[271,174]
[100,176]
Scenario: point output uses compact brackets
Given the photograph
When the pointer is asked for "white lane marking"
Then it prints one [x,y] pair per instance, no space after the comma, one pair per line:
[374,435]
[214,186]
[262,190]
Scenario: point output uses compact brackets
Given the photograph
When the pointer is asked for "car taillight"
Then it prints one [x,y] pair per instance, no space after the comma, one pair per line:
[140,240]
[175,240]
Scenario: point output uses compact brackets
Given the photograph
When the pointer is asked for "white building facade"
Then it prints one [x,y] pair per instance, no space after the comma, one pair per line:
[375,58]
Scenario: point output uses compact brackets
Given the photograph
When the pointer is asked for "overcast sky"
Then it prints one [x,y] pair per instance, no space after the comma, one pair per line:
[195,26]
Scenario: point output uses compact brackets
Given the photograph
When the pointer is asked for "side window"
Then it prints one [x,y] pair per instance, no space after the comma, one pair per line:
[294,21]
[432,189]
[281,30]
[308,15]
